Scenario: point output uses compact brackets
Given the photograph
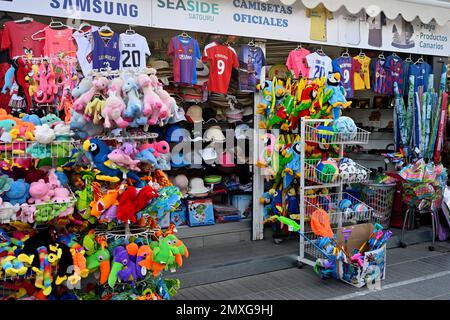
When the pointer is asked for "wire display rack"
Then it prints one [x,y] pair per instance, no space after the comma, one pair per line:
[128,136]
[32,149]
[354,211]
[361,174]
[315,133]
[38,213]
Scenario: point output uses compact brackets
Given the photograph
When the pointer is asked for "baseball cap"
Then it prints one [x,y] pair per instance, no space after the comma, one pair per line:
[194,114]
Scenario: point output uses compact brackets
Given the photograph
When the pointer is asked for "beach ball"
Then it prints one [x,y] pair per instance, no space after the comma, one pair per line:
[327,171]
[325,132]
[346,127]
[345,203]
[361,210]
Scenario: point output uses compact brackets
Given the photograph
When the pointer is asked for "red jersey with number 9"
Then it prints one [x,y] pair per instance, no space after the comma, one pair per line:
[222,61]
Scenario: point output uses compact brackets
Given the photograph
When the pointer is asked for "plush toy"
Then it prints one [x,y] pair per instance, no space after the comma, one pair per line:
[268,97]
[8,211]
[9,80]
[151,100]
[5,183]
[18,193]
[61,195]
[134,109]
[83,128]
[40,95]
[337,101]
[114,106]
[21,71]
[34,119]
[161,147]
[169,106]
[44,277]
[100,260]
[98,86]
[147,156]
[99,151]
[40,191]
[292,168]
[121,159]
[83,87]
[51,119]
[94,110]
[122,267]
[52,89]
[44,134]
[62,132]
[109,215]
[27,213]
[155,115]
[105,202]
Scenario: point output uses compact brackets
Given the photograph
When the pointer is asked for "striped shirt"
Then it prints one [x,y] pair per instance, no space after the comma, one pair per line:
[185,53]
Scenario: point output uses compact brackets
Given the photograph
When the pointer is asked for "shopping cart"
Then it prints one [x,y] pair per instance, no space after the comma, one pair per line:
[380,197]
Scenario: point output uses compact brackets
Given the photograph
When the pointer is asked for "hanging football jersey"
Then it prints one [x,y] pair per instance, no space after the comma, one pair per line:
[361,77]
[319,66]
[85,44]
[297,63]
[406,65]
[319,16]
[222,61]
[106,52]
[394,66]
[421,72]
[251,60]
[346,66]
[379,75]
[184,52]
[133,51]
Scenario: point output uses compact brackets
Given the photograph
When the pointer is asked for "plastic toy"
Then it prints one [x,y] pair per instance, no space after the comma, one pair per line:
[18,193]
[98,86]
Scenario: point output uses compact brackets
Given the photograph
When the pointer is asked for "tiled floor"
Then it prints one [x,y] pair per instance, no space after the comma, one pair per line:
[412,273]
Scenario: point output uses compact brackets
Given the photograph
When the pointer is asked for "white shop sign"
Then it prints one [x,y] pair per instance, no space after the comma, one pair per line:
[134,12]
[273,20]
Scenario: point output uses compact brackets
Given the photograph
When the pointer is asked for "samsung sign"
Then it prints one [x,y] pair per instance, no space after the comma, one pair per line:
[134,12]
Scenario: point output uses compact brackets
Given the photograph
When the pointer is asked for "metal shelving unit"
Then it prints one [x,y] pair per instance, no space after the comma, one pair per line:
[330,203]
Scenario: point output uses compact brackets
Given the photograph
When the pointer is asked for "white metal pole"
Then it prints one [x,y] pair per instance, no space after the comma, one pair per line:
[302,189]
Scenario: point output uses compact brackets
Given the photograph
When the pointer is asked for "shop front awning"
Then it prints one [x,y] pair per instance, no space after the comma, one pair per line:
[425,10]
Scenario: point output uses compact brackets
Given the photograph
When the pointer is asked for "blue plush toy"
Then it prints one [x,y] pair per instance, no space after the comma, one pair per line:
[50,119]
[18,193]
[134,108]
[148,157]
[9,80]
[292,167]
[83,128]
[337,101]
[98,152]
[34,119]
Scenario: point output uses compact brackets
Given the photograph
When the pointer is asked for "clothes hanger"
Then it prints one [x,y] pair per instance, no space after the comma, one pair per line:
[106,30]
[320,51]
[345,54]
[130,30]
[408,59]
[299,46]
[420,60]
[381,56]
[184,35]
[58,24]
[361,54]
[394,55]
[251,43]
[24,20]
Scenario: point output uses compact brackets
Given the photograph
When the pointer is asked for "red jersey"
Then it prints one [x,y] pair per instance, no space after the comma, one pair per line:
[17,38]
[222,61]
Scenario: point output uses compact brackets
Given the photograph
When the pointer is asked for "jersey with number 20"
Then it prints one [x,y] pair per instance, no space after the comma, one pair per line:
[319,66]
[133,51]
[222,61]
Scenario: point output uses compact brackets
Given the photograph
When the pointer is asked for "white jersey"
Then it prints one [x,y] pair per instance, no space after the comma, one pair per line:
[85,45]
[133,51]
[319,66]
[348,26]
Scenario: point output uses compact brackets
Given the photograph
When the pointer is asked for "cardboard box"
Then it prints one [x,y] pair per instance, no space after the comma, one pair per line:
[374,266]
[164,221]
[178,217]
[200,212]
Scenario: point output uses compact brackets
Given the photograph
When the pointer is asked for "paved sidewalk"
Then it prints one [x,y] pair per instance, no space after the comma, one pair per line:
[411,273]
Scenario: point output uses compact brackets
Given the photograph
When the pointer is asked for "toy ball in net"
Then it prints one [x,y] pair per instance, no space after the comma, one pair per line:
[361,210]
[325,132]
[346,127]
[327,171]
[348,213]
[345,203]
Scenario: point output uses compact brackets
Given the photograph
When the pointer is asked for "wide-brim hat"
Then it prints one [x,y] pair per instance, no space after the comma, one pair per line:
[197,187]
[160,65]
[214,134]
[213,179]
[241,131]
[209,155]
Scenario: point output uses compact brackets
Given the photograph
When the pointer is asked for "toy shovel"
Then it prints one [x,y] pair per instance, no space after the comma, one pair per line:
[346,233]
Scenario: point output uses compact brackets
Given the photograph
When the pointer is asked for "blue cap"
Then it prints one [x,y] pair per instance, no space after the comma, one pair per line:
[177,160]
